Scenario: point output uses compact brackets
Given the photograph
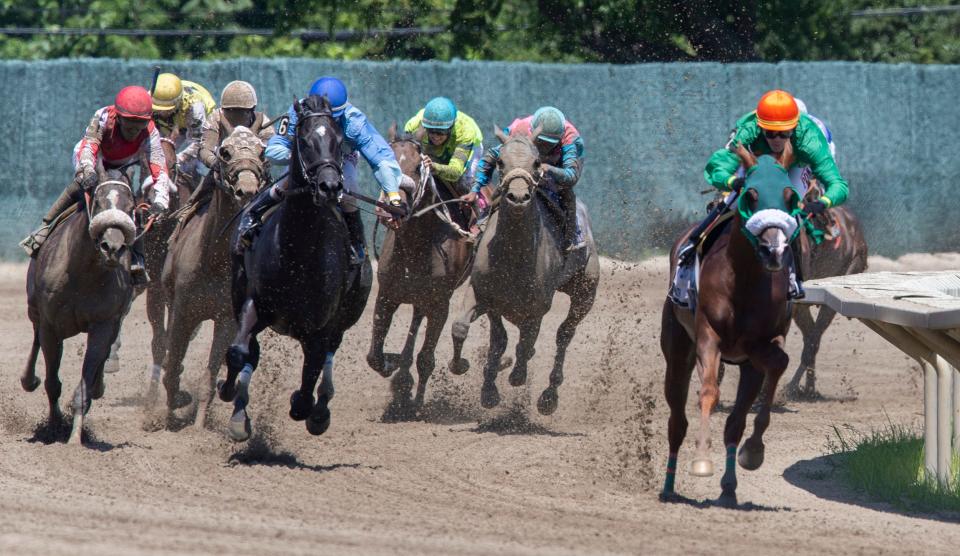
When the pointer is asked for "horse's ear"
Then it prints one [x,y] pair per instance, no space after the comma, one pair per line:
[786,157]
[392,132]
[753,198]
[297,109]
[499,134]
[746,157]
[536,132]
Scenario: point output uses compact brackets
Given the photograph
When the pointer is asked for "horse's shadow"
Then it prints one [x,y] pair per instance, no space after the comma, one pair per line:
[706,504]
[259,451]
[49,433]
[818,476]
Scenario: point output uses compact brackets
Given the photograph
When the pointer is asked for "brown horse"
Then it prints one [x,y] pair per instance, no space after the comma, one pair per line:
[80,282]
[519,268]
[843,251]
[742,316]
[196,275]
[422,262]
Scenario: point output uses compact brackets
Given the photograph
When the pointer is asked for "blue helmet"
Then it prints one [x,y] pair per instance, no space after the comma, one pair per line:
[552,123]
[334,90]
[440,113]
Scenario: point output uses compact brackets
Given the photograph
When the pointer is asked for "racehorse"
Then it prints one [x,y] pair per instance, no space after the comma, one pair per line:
[80,282]
[742,316]
[196,274]
[842,251]
[423,260]
[296,278]
[519,267]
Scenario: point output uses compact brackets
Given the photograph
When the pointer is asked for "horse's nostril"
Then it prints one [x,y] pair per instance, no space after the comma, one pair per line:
[104,246]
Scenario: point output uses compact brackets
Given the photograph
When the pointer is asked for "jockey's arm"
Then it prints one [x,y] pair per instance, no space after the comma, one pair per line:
[452,172]
[158,168]
[90,144]
[722,167]
[488,162]
[265,132]
[375,150]
[814,144]
[278,146]
[572,160]
[210,140]
[194,120]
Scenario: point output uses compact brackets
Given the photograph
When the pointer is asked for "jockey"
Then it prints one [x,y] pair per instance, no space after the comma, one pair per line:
[238,103]
[561,157]
[117,134]
[359,138]
[777,120]
[183,106]
[451,142]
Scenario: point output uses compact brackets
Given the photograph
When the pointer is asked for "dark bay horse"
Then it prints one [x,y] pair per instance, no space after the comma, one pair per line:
[422,262]
[80,282]
[742,316]
[296,278]
[196,274]
[842,251]
[519,267]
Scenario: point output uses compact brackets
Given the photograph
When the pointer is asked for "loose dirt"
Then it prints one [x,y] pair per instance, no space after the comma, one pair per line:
[461,480]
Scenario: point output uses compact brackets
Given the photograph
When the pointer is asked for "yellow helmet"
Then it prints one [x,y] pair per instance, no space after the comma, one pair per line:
[166,95]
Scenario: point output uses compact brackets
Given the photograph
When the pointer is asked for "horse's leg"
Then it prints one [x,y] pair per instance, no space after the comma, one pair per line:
[322,353]
[52,353]
[581,301]
[773,361]
[29,379]
[529,332]
[382,317]
[460,329]
[824,318]
[244,352]
[402,382]
[489,396]
[302,400]
[182,324]
[99,339]
[747,389]
[708,366]
[803,316]
[679,352]
[156,314]
[426,359]
[239,428]
[223,330]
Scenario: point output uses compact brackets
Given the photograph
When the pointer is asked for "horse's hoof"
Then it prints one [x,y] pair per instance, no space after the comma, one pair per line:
[30,383]
[99,388]
[180,400]
[728,499]
[227,390]
[701,468]
[300,405]
[548,401]
[489,397]
[236,359]
[239,429]
[751,455]
[111,365]
[379,364]
[518,377]
[319,420]
[459,366]
[671,496]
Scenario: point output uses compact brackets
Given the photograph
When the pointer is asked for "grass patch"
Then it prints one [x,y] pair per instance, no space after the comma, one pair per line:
[887,464]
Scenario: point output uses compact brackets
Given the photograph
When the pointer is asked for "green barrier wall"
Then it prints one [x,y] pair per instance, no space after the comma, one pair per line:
[648,130]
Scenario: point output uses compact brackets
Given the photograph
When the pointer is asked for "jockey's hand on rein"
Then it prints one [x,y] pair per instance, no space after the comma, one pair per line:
[737,183]
[156,209]
[427,162]
[814,207]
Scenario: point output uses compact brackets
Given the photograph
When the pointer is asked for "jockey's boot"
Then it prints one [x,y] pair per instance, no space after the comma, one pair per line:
[572,236]
[686,251]
[796,272]
[31,244]
[357,240]
[250,222]
[138,265]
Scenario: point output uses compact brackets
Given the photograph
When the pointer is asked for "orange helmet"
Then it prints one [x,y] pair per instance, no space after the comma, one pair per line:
[777,111]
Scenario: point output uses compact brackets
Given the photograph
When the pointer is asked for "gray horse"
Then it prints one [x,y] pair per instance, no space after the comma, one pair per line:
[80,282]
[196,273]
[518,268]
[423,261]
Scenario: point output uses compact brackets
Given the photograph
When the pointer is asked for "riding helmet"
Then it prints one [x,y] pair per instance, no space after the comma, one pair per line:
[334,90]
[440,113]
[551,122]
[777,111]
[133,102]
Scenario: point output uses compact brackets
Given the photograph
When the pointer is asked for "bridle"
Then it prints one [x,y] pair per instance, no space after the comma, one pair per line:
[336,165]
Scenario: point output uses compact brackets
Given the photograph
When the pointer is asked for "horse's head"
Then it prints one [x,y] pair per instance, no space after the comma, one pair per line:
[519,166]
[111,224]
[767,206]
[316,158]
[241,163]
[408,152]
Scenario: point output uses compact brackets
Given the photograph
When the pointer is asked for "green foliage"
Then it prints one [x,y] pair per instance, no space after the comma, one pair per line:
[887,464]
[612,31]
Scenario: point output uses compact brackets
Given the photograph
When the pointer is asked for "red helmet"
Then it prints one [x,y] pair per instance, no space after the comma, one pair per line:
[777,111]
[134,102]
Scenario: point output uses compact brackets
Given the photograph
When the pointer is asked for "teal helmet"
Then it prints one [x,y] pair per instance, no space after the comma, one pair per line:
[440,113]
[551,123]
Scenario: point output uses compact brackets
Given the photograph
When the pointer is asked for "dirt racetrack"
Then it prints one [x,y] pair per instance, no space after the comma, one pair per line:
[461,480]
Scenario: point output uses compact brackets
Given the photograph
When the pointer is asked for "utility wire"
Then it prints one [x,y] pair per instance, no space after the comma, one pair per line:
[304,34]
[901,12]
